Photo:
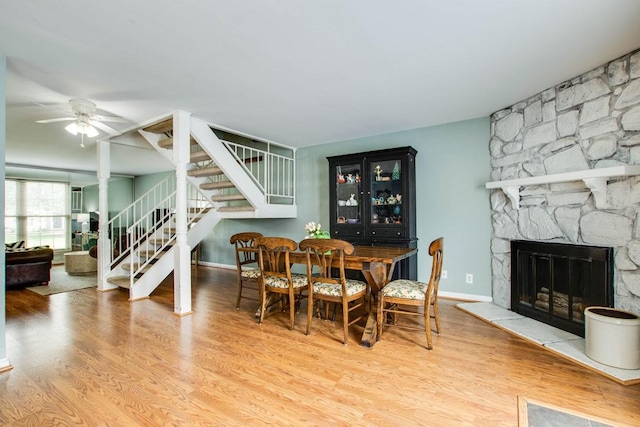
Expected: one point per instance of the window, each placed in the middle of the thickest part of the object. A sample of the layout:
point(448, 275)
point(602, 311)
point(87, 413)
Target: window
point(38, 213)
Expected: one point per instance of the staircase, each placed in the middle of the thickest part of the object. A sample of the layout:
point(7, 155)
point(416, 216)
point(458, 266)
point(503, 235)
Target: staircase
point(229, 175)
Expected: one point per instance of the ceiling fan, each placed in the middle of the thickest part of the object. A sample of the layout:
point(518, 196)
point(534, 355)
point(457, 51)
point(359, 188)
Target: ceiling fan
point(84, 120)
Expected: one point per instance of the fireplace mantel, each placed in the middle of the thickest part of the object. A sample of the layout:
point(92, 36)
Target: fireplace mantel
point(595, 179)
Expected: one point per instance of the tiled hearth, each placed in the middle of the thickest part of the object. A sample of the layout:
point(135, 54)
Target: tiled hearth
point(564, 344)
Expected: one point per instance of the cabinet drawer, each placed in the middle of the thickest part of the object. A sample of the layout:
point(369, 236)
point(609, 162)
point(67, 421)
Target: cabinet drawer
point(387, 232)
point(347, 232)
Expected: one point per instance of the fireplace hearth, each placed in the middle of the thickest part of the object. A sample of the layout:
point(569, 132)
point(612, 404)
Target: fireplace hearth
point(555, 282)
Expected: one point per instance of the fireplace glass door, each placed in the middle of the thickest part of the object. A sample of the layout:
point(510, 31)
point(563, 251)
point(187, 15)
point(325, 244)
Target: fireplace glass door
point(554, 283)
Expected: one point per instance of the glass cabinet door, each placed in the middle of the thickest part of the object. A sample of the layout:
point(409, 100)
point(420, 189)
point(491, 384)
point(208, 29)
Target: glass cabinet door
point(386, 192)
point(348, 194)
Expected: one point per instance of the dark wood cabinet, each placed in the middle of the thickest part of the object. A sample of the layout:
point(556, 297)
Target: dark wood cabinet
point(373, 201)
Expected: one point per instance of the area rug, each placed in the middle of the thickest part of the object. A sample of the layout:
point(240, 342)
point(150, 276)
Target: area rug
point(532, 413)
point(562, 343)
point(63, 282)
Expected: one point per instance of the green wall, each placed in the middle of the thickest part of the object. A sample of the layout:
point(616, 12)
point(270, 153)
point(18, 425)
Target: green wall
point(452, 167)
point(144, 183)
point(120, 194)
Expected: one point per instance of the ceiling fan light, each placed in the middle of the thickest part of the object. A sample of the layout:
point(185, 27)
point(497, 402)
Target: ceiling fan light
point(72, 128)
point(90, 131)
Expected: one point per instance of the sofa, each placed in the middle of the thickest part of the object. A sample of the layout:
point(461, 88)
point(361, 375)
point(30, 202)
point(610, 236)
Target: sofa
point(30, 266)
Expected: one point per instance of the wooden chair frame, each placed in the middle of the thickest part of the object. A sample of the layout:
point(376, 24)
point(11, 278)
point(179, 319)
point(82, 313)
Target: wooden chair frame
point(395, 305)
point(246, 255)
point(273, 259)
point(322, 255)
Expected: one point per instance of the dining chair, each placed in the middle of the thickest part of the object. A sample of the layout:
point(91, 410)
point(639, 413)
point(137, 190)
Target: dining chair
point(246, 256)
point(328, 283)
point(398, 295)
point(276, 279)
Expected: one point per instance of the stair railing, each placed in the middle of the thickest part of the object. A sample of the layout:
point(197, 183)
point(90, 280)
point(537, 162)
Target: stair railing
point(155, 231)
point(272, 172)
point(117, 227)
point(147, 236)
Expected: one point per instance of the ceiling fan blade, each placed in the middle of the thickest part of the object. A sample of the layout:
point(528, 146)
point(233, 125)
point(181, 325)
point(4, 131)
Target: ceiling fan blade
point(59, 119)
point(116, 119)
point(55, 107)
point(111, 131)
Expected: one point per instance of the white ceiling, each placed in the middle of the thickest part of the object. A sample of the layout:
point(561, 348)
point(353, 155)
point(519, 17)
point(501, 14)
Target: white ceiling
point(296, 72)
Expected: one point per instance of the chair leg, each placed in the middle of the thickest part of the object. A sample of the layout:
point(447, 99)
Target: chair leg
point(380, 315)
point(292, 309)
point(436, 315)
point(239, 293)
point(427, 324)
point(263, 305)
point(345, 320)
point(309, 312)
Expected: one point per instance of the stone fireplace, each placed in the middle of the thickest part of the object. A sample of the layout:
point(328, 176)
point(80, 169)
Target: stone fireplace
point(577, 128)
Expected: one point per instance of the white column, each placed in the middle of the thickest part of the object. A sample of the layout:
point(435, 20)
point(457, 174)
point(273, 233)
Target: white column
point(182, 272)
point(5, 365)
point(104, 243)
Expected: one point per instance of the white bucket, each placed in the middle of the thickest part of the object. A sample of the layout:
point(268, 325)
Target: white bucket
point(612, 337)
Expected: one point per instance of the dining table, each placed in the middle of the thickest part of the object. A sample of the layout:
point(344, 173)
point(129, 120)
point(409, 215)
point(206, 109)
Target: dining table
point(377, 264)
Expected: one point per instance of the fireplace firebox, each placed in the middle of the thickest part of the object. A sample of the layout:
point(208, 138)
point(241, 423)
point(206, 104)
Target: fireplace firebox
point(555, 282)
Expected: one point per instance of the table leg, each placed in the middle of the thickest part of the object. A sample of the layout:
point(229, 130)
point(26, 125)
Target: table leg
point(377, 275)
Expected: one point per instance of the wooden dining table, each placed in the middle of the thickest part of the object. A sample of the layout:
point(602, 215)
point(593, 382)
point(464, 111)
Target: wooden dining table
point(377, 264)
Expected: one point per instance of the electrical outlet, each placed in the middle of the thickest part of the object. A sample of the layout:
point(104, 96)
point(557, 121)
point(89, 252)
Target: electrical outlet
point(469, 278)
point(443, 275)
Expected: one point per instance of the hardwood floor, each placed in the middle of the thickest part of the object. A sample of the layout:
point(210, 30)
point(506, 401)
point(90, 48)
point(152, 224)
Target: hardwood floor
point(87, 358)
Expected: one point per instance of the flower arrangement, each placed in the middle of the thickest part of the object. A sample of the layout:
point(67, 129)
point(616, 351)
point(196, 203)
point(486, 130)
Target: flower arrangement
point(315, 231)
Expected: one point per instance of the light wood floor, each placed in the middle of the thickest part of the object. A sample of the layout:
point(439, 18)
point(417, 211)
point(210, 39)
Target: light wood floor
point(86, 358)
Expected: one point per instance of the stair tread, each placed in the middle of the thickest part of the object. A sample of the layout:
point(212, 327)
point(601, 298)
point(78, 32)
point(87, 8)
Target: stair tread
point(209, 171)
point(236, 208)
point(199, 156)
point(121, 281)
point(127, 267)
point(168, 143)
point(159, 242)
point(161, 127)
point(146, 254)
point(217, 185)
point(227, 197)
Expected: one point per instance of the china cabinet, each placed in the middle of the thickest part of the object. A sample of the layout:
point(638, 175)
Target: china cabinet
point(373, 202)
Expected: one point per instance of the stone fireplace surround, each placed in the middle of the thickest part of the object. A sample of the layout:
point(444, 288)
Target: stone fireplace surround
point(589, 122)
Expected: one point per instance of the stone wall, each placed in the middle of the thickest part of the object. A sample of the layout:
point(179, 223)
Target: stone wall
point(591, 121)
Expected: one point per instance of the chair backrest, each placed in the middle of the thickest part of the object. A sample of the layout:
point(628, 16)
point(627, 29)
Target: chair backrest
point(436, 250)
point(246, 250)
point(273, 256)
point(326, 257)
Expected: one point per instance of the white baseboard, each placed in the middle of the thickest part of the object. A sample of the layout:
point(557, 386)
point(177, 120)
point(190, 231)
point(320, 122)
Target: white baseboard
point(215, 264)
point(5, 365)
point(464, 297)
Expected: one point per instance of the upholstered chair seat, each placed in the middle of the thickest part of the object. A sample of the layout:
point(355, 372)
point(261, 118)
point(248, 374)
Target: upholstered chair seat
point(331, 289)
point(408, 289)
point(250, 274)
point(298, 280)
